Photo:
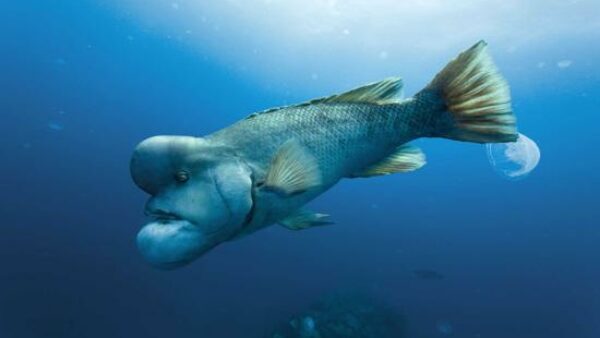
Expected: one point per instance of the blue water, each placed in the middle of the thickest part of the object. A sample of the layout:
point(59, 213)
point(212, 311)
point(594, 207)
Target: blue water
point(82, 82)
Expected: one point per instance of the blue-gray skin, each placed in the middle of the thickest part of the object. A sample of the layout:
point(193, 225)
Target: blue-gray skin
point(263, 169)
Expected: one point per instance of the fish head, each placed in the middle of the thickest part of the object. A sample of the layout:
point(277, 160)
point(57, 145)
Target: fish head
point(200, 196)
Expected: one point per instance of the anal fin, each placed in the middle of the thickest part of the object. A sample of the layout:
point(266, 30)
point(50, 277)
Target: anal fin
point(293, 170)
point(304, 219)
point(405, 158)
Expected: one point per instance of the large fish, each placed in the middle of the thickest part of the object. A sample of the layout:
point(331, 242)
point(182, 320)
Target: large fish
point(262, 170)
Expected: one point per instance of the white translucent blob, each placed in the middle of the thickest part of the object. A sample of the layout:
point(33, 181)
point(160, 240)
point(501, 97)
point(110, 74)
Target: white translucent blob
point(564, 64)
point(55, 125)
point(514, 160)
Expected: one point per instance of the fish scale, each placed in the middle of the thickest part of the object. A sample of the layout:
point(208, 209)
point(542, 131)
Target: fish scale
point(343, 137)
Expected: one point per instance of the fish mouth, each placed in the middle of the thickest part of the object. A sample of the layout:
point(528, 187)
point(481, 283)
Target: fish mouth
point(169, 242)
point(163, 216)
point(166, 217)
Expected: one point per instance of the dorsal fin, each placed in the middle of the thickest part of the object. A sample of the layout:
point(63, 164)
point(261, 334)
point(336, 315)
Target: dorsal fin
point(383, 92)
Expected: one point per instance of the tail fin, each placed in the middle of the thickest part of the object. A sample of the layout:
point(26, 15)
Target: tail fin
point(477, 98)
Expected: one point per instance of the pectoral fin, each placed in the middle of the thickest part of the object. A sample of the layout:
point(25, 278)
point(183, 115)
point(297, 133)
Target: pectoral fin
point(293, 170)
point(405, 158)
point(304, 219)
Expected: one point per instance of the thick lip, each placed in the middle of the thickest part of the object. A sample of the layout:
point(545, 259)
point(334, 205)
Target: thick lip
point(163, 216)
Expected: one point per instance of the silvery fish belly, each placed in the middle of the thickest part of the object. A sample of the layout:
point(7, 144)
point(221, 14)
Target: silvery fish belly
point(263, 169)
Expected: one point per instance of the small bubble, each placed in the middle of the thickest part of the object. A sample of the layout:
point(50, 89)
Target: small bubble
point(383, 55)
point(564, 64)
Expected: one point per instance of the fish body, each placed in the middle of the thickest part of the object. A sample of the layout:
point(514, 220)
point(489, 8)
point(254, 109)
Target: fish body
point(264, 168)
point(343, 137)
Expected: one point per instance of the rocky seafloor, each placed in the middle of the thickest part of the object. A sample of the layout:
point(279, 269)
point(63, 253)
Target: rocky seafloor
point(347, 315)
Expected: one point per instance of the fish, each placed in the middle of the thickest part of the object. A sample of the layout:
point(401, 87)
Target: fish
point(427, 274)
point(263, 169)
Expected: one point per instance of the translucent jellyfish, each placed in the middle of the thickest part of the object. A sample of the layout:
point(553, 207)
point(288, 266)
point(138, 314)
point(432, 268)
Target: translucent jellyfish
point(514, 160)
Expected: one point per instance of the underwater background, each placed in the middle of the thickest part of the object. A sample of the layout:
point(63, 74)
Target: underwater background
point(457, 249)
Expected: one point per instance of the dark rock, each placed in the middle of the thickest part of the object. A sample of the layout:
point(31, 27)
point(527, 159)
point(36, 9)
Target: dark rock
point(344, 315)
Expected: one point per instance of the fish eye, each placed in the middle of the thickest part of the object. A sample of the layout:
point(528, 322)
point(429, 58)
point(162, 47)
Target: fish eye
point(182, 176)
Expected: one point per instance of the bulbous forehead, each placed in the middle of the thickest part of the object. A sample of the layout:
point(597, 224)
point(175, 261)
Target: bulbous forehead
point(156, 159)
point(168, 147)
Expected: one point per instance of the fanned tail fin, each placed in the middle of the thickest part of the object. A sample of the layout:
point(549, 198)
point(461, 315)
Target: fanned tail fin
point(476, 97)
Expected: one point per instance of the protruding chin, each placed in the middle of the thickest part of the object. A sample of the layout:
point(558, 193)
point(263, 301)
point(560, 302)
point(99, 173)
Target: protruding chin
point(171, 244)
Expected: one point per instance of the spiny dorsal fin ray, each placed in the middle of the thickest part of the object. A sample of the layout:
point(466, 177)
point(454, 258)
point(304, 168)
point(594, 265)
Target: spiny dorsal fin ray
point(383, 92)
point(405, 158)
point(293, 170)
point(304, 219)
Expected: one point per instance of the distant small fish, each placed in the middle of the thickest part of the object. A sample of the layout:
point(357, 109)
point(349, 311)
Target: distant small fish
point(428, 274)
point(56, 126)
